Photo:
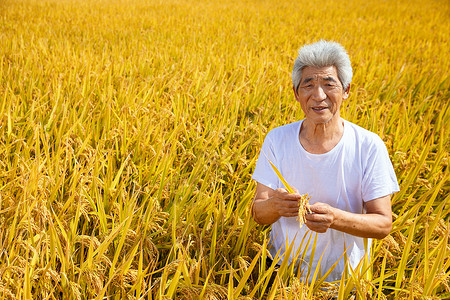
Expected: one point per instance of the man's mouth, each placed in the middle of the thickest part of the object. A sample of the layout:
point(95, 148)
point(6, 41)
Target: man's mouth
point(319, 108)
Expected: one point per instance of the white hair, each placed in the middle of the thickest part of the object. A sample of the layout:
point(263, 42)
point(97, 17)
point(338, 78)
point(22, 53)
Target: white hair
point(323, 54)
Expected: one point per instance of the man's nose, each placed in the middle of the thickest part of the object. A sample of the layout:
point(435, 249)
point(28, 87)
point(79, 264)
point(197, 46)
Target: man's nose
point(318, 94)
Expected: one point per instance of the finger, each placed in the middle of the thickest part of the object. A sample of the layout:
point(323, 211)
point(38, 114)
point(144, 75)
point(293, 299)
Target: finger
point(289, 196)
point(313, 217)
point(288, 207)
point(281, 190)
point(283, 193)
point(293, 205)
point(317, 229)
point(319, 208)
point(293, 213)
point(317, 218)
point(284, 203)
point(290, 214)
point(290, 210)
point(316, 226)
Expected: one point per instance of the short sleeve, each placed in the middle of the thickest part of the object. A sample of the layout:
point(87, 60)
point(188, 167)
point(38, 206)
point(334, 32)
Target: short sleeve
point(379, 178)
point(264, 173)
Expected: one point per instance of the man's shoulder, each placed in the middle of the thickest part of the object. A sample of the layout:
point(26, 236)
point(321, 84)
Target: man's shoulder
point(363, 135)
point(291, 128)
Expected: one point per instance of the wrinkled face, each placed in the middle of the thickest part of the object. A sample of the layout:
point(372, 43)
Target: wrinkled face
point(320, 94)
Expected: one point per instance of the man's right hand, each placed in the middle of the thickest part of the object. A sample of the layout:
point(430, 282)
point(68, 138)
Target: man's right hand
point(269, 205)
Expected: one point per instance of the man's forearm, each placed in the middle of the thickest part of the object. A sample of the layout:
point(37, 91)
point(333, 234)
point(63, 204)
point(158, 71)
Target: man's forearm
point(362, 225)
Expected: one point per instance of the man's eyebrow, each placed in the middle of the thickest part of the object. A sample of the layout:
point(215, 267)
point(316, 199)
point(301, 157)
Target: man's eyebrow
point(306, 80)
point(329, 78)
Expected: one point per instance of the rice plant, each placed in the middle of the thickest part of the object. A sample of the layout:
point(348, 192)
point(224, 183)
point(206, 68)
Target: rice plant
point(130, 130)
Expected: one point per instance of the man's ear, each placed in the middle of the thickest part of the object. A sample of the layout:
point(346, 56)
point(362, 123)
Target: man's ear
point(295, 93)
point(346, 93)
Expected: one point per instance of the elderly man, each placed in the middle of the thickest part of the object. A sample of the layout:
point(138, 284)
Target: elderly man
point(344, 168)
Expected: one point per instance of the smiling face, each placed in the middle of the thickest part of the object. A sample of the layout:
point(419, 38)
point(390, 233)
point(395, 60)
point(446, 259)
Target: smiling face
point(320, 94)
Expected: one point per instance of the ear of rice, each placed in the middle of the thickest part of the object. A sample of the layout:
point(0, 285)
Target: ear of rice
point(303, 204)
point(286, 185)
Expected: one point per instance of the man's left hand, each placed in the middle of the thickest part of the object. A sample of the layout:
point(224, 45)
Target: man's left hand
point(322, 217)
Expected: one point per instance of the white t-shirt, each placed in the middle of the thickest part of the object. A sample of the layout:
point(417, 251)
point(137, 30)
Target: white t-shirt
point(356, 170)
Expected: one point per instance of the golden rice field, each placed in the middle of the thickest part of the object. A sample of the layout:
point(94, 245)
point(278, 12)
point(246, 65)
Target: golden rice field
point(129, 131)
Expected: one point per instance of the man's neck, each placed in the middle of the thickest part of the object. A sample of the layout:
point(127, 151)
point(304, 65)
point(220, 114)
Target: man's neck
point(321, 138)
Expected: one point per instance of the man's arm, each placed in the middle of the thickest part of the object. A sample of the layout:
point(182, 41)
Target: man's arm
point(375, 223)
point(269, 205)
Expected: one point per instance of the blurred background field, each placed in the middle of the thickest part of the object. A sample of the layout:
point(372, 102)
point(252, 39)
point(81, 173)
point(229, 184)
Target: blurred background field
point(129, 131)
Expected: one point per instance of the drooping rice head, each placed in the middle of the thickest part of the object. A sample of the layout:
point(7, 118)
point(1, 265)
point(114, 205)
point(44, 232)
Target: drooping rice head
point(303, 209)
